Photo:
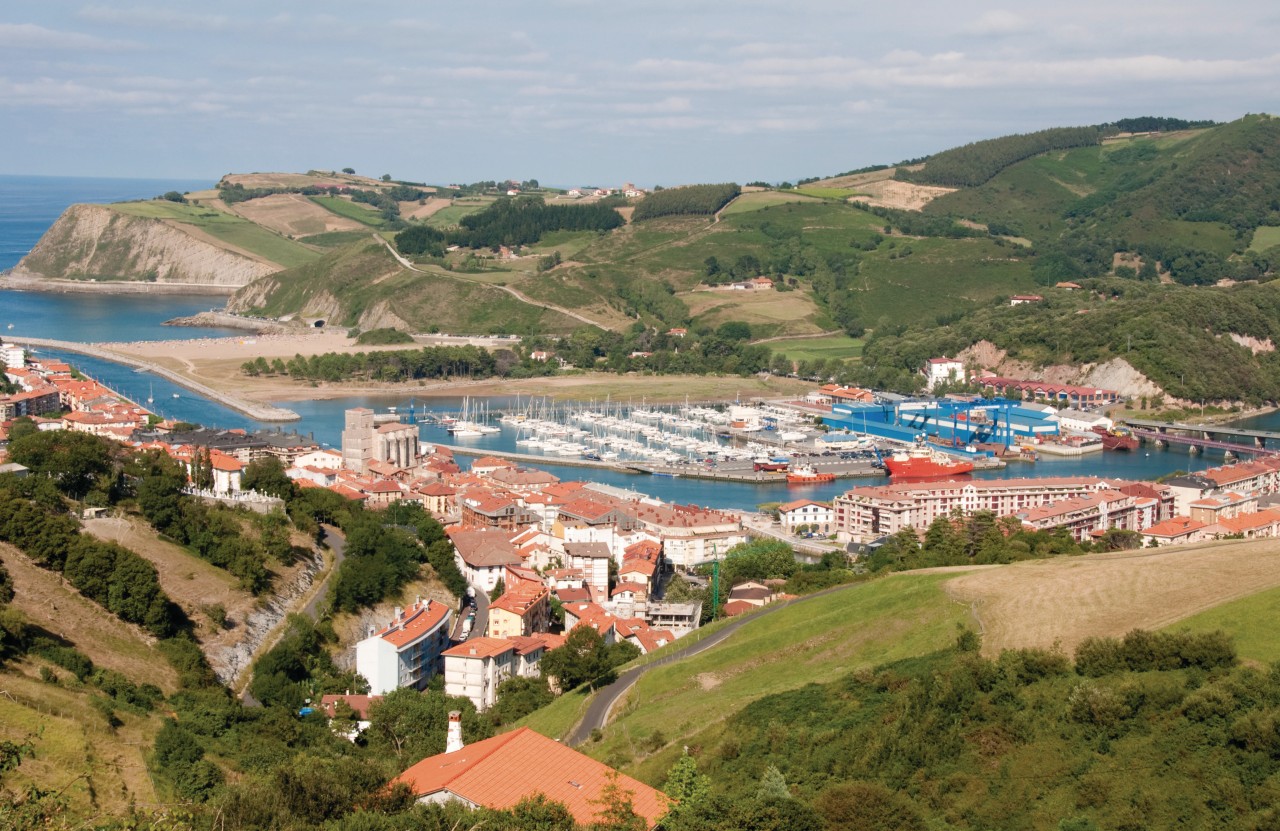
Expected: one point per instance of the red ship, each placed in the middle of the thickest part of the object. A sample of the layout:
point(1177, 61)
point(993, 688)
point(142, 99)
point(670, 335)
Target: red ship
point(1117, 439)
point(923, 462)
point(806, 475)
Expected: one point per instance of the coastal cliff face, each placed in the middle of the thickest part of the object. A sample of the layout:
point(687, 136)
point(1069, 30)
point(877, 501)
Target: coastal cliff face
point(94, 242)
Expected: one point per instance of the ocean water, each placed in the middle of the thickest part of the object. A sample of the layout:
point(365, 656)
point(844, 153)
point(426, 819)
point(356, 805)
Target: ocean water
point(29, 205)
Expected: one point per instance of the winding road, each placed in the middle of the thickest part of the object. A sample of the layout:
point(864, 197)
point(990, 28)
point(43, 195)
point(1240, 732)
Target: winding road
point(602, 704)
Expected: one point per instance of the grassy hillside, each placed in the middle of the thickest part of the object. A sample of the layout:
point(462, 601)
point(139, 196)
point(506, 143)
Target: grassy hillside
point(233, 230)
point(812, 641)
point(362, 285)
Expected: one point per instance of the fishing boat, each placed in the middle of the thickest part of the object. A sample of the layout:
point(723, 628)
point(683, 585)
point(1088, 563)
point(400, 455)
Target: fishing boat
point(807, 475)
point(922, 461)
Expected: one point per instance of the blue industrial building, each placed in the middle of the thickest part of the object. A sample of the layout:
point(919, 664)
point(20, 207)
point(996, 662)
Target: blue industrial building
point(955, 423)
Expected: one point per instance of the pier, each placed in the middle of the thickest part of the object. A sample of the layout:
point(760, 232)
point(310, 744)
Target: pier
point(258, 412)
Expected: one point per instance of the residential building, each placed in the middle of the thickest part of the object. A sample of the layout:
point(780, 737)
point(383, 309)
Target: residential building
point(482, 555)
point(407, 652)
point(944, 370)
point(476, 667)
point(523, 609)
point(818, 516)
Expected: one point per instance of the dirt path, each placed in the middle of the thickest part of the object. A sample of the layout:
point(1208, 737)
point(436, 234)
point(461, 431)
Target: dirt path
point(1068, 599)
point(800, 337)
point(523, 298)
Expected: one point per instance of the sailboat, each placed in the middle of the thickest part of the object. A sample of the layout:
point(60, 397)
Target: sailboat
point(151, 394)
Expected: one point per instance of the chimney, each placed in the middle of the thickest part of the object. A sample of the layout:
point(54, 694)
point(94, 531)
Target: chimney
point(454, 741)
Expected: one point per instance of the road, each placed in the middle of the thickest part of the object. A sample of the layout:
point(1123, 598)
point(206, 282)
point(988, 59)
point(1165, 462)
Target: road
point(335, 542)
point(481, 625)
point(602, 704)
point(523, 298)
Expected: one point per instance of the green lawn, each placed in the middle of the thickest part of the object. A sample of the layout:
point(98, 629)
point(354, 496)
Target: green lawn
point(231, 229)
point(351, 210)
point(812, 641)
point(1267, 236)
point(1250, 620)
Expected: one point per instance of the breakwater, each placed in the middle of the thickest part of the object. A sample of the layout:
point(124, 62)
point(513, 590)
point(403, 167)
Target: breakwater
point(254, 410)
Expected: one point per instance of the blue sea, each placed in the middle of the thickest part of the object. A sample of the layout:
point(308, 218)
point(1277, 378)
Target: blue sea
point(29, 205)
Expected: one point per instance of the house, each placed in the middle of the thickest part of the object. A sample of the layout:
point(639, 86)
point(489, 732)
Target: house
point(943, 370)
point(525, 608)
point(592, 559)
point(360, 705)
point(227, 471)
point(407, 652)
point(1019, 299)
point(482, 555)
point(1175, 531)
point(475, 669)
point(501, 771)
point(677, 332)
point(1067, 286)
point(818, 516)
point(752, 593)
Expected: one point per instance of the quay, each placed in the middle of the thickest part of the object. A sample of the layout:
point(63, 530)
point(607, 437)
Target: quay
point(258, 412)
point(533, 458)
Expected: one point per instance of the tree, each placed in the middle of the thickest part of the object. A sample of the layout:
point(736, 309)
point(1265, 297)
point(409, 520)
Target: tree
point(410, 726)
point(386, 177)
point(866, 806)
point(74, 460)
point(499, 588)
point(348, 170)
point(689, 790)
point(582, 659)
point(267, 476)
point(614, 809)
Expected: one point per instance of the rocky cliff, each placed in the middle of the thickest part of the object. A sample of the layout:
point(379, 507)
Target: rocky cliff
point(94, 242)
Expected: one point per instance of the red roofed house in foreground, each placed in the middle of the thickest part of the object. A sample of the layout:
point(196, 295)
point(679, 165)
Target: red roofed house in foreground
point(499, 772)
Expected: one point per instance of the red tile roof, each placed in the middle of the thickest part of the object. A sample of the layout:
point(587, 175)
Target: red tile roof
point(418, 620)
point(501, 771)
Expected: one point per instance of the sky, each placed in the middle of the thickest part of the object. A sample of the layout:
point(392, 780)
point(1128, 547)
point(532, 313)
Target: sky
point(580, 92)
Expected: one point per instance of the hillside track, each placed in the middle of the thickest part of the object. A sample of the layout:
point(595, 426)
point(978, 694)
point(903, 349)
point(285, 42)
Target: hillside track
point(523, 298)
point(1064, 600)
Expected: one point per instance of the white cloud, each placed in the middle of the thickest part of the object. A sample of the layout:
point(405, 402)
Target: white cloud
point(671, 104)
point(155, 17)
point(31, 36)
point(998, 22)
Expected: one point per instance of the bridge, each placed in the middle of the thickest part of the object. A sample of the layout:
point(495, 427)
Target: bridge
point(259, 412)
point(1216, 436)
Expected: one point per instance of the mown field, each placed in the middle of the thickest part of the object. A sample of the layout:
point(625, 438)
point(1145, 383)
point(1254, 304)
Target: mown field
point(361, 213)
point(839, 347)
point(231, 229)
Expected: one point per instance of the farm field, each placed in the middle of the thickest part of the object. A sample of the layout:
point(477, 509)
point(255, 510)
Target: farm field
point(452, 215)
point(825, 193)
point(756, 200)
point(1065, 600)
point(769, 312)
point(228, 228)
point(839, 347)
point(294, 215)
point(351, 210)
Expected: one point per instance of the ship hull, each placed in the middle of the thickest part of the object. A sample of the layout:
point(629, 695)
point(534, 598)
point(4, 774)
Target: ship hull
point(926, 468)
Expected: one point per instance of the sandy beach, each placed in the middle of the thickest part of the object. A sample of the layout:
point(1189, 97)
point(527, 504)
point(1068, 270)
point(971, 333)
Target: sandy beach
point(217, 361)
